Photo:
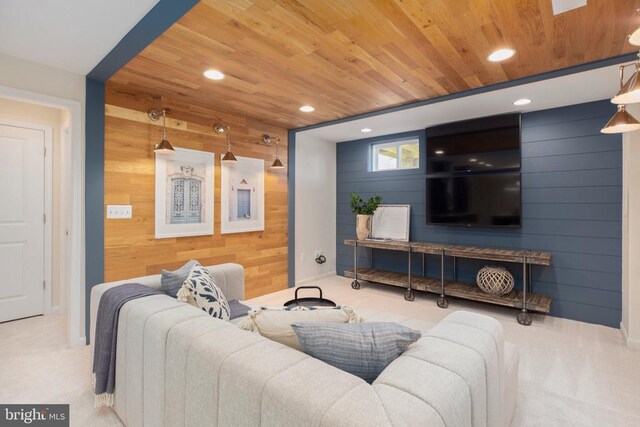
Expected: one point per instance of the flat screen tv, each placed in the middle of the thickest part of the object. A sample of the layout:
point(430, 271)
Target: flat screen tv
point(477, 145)
point(475, 200)
point(473, 173)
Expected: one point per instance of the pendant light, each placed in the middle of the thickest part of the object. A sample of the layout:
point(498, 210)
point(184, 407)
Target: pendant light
point(164, 147)
point(629, 92)
point(219, 129)
point(266, 140)
point(621, 122)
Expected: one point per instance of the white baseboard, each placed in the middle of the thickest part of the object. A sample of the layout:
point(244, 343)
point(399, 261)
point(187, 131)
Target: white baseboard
point(314, 278)
point(631, 343)
point(79, 342)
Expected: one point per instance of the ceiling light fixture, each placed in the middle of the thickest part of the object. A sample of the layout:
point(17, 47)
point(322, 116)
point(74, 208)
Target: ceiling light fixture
point(214, 74)
point(164, 147)
point(629, 93)
point(522, 101)
point(220, 129)
point(266, 140)
point(439, 152)
point(365, 130)
point(634, 38)
point(501, 55)
point(307, 109)
point(621, 122)
point(473, 160)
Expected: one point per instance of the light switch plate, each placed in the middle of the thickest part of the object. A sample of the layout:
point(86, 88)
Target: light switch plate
point(118, 211)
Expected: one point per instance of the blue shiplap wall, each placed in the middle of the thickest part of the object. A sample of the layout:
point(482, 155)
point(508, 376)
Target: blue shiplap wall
point(572, 207)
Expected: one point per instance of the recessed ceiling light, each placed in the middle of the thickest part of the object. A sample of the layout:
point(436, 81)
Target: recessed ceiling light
point(488, 165)
point(214, 74)
point(365, 130)
point(439, 152)
point(481, 163)
point(473, 160)
point(522, 101)
point(501, 55)
point(307, 109)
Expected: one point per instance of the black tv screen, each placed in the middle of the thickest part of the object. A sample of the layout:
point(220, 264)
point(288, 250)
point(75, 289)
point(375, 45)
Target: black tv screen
point(491, 199)
point(490, 143)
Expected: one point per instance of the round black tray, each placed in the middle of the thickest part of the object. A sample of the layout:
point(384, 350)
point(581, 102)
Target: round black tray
point(309, 301)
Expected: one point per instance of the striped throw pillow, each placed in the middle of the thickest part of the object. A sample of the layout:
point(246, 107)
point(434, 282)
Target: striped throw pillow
point(361, 349)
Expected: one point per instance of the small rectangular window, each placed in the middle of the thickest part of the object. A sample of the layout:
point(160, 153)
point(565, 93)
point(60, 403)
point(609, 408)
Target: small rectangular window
point(404, 154)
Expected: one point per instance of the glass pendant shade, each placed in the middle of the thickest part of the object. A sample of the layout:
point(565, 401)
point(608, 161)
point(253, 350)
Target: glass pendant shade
point(629, 93)
point(621, 122)
point(164, 148)
point(277, 164)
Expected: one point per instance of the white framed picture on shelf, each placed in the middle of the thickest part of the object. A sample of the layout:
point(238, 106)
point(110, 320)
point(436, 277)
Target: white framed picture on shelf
point(184, 194)
point(242, 196)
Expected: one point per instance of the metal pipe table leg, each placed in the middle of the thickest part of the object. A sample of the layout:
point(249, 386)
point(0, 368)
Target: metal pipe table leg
point(442, 301)
point(355, 284)
point(455, 272)
point(409, 295)
point(524, 318)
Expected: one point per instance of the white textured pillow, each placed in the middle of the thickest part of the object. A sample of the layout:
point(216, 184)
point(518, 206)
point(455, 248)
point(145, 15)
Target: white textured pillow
point(206, 294)
point(275, 323)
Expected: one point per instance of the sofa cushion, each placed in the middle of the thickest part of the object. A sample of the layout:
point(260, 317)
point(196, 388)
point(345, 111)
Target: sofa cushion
point(171, 281)
point(275, 323)
point(207, 294)
point(361, 349)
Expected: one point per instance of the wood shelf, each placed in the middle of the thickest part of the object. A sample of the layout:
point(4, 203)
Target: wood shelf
point(489, 254)
point(535, 302)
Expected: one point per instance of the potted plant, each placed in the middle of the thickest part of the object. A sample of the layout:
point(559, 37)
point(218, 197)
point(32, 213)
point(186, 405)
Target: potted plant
point(363, 211)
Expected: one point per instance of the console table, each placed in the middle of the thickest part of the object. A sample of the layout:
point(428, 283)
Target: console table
point(524, 300)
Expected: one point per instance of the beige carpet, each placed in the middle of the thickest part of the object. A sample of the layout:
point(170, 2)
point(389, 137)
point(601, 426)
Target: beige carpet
point(571, 373)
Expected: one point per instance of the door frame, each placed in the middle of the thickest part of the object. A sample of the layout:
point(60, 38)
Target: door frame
point(48, 204)
point(72, 220)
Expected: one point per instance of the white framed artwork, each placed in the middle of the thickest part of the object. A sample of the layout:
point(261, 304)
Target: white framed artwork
point(184, 194)
point(391, 222)
point(242, 196)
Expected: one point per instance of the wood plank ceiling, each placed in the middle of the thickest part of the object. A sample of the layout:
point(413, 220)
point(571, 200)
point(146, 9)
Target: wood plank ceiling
point(347, 57)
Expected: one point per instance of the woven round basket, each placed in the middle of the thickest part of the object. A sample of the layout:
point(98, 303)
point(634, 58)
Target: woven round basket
point(495, 280)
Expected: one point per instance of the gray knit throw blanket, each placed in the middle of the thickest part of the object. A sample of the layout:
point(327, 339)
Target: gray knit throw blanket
point(104, 342)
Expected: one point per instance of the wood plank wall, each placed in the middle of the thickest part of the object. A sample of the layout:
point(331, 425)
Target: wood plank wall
point(130, 247)
point(571, 207)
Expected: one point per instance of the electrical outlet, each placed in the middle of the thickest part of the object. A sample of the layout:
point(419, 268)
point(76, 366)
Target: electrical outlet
point(119, 211)
point(301, 256)
point(316, 254)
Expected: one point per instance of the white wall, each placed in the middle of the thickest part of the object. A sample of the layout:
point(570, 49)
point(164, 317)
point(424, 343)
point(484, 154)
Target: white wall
point(36, 114)
point(20, 74)
point(315, 216)
point(39, 84)
point(630, 324)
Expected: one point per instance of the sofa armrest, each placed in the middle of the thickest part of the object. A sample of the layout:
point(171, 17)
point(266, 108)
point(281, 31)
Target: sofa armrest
point(230, 279)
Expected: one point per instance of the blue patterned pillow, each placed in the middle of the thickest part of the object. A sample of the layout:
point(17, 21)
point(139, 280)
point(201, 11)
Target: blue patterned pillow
point(171, 281)
point(207, 294)
point(361, 349)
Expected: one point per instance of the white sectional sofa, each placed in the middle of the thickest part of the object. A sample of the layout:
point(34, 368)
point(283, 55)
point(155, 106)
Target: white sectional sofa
point(177, 366)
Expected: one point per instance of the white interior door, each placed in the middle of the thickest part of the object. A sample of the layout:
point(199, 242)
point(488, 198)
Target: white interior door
point(21, 222)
